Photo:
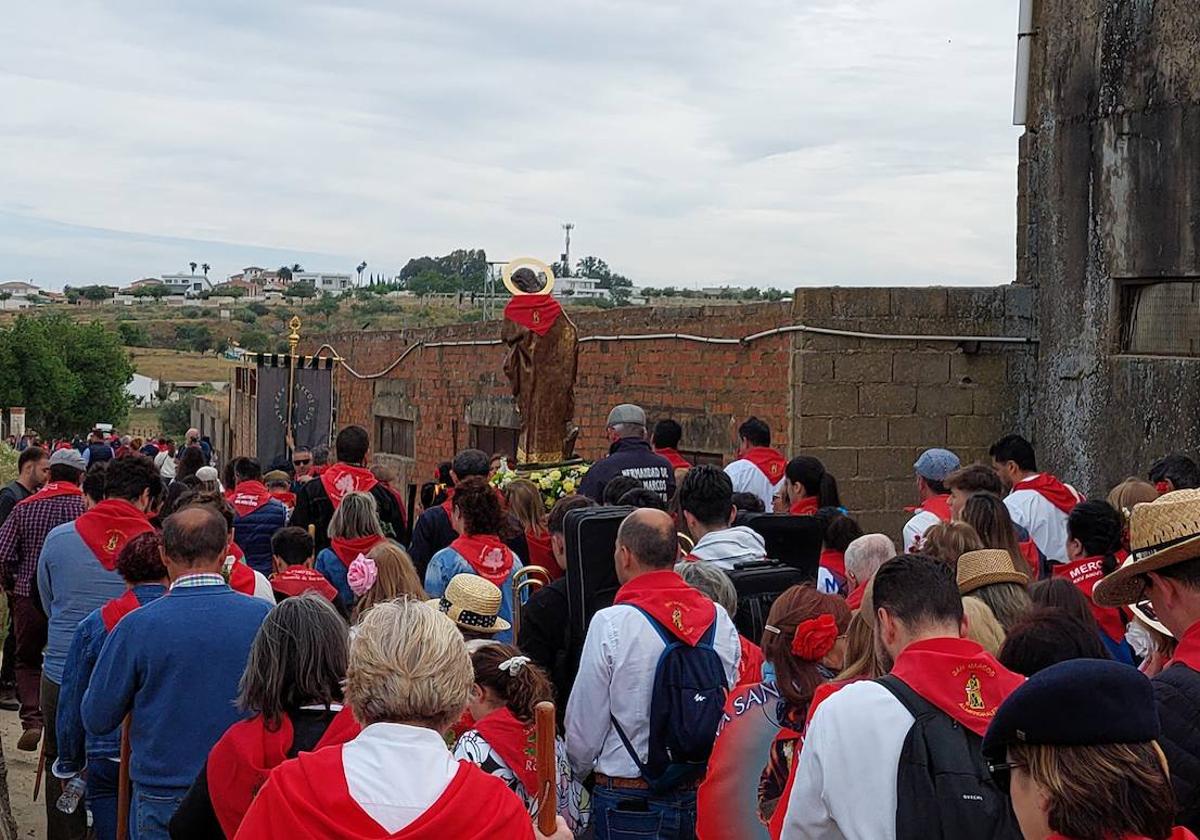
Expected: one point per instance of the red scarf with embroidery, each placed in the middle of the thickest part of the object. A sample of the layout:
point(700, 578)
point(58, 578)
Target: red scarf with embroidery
point(1187, 652)
point(515, 742)
point(959, 677)
point(677, 461)
point(248, 497)
point(533, 312)
point(241, 760)
point(347, 549)
point(296, 580)
point(683, 611)
point(769, 462)
point(108, 526)
point(490, 558)
point(1085, 574)
point(939, 506)
point(286, 496)
point(341, 479)
point(1052, 490)
point(118, 608)
point(53, 490)
point(808, 506)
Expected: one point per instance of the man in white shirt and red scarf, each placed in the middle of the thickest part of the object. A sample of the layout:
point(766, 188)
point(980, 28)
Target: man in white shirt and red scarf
point(617, 675)
point(850, 768)
point(933, 498)
point(318, 499)
point(1037, 501)
point(1163, 576)
point(758, 469)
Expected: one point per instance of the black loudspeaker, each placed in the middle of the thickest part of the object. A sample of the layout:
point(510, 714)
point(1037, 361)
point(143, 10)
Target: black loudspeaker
point(758, 585)
point(795, 541)
point(591, 537)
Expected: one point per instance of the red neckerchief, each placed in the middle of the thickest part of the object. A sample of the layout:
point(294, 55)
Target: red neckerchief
point(533, 312)
point(448, 505)
point(541, 553)
point(750, 665)
point(1052, 490)
point(308, 797)
point(490, 558)
point(939, 506)
point(108, 526)
point(959, 677)
point(53, 490)
point(683, 611)
point(855, 598)
point(241, 760)
point(248, 497)
point(769, 462)
point(1187, 652)
point(347, 549)
point(808, 506)
point(515, 742)
point(1029, 551)
point(341, 479)
point(241, 577)
point(118, 608)
point(296, 580)
point(834, 561)
point(286, 496)
point(677, 461)
point(1085, 573)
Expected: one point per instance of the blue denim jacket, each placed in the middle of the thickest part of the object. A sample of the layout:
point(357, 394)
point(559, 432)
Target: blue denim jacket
point(447, 563)
point(334, 570)
point(75, 746)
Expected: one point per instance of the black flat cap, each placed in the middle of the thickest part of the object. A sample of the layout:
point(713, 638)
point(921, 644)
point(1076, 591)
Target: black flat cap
point(1081, 702)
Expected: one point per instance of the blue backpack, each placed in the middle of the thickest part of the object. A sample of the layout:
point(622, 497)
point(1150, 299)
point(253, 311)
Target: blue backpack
point(685, 710)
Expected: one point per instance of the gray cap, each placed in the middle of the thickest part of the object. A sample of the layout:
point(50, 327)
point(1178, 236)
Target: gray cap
point(70, 457)
point(627, 413)
point(936, 464)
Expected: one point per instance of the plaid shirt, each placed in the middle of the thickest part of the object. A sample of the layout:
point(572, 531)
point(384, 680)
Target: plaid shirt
point(25, 530)
point(198, 579)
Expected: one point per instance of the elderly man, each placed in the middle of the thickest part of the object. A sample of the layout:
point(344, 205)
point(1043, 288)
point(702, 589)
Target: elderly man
point(864, 556)
point(175, 665)
point(629, 454)
point(610, 726)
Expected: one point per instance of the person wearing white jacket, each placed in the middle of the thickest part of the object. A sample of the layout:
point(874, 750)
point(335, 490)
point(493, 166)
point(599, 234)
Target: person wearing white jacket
point(706, 499)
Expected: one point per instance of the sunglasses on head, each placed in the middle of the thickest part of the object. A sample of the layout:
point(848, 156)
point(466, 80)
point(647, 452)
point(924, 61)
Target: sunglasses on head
point(1001, 773)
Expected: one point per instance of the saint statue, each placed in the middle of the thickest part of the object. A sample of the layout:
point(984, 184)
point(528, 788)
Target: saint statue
point(543, 355)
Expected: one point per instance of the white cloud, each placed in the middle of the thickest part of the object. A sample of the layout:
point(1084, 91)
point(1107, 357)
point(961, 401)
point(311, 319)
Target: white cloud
point(759, 142)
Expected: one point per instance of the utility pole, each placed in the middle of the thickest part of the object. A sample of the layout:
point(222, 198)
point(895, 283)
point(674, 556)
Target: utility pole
point(566, 257)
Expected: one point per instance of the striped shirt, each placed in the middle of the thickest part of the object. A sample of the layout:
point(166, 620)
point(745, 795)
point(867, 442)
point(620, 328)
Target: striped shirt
point(24, 532)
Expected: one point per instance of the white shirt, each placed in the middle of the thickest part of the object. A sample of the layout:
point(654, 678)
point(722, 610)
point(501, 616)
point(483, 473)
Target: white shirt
point(616, 677)
point(916, 527)
point(748, 478)
point(846, 781)
point(396, 772)
point(1046, 524)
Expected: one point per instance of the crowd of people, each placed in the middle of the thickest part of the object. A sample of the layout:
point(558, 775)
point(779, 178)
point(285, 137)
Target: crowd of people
point(289, 651)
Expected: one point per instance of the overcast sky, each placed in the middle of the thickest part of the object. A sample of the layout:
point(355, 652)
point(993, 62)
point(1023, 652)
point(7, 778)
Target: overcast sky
point(755, 142)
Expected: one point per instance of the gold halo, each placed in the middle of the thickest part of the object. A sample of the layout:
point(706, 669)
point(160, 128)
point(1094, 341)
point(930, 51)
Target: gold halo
point(521, 262)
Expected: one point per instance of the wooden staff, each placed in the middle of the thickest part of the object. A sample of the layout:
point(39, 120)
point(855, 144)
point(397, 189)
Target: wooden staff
point(123, 792)
point(547, 768)
point(41, 769)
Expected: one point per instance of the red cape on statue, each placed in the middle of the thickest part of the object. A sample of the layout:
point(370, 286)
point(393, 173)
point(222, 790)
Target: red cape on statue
point(308, 798)
point(533, 312)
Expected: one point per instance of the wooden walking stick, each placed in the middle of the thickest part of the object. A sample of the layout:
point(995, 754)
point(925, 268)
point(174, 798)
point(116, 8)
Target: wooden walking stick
point(123, 792)
point(41, 769)
point(547, 768)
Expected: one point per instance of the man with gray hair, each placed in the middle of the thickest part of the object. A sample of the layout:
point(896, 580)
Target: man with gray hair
point(864, 556)
point(629, 454)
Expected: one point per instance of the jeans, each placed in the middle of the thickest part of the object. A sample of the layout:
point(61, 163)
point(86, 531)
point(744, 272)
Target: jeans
point(620, 814)
point(29, 626)
point(102, 776)
point(153, 808)
point(59, 826)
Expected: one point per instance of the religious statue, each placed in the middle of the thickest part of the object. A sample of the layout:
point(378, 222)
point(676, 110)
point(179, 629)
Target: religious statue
point(543, 355)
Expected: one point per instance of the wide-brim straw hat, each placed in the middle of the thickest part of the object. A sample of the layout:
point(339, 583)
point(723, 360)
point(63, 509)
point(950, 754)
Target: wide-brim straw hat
point(472, 603)
point(1162, 533)
point(985, 567)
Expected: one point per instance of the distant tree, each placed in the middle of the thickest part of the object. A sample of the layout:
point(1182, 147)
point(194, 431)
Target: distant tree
point(258, 308)
point(362, 266)
point(133, 334)
point(255, 340)
point(300, 290)
point(326, 305)
point(193, 267)
point(297, 268)
point(228, 290)
point(205, 267)
point(175, 417)
point(195, 337)
point(285, 274)
point(95, 294)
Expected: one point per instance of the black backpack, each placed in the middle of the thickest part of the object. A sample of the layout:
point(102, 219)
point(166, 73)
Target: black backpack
point(685, 710)
point(943, 788)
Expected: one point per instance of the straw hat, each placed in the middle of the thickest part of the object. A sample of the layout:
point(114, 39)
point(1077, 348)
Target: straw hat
point(473, 603)
point(986, 566)
point(1161, 533)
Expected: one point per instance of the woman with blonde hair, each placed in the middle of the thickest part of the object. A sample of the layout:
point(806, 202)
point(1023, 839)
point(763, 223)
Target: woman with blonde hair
point(354, 530)
point(409, 679)
point(947, 541)
point(526, 504)
point(384, 573)
point(982, 626)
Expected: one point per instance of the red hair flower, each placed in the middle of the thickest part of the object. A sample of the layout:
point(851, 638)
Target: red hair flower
point(814, 638)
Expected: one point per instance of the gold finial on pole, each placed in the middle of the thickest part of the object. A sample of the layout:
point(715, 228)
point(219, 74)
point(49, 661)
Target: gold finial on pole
point(293, 336)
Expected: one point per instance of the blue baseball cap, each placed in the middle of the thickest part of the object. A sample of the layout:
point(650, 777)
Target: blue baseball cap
point(936, 464)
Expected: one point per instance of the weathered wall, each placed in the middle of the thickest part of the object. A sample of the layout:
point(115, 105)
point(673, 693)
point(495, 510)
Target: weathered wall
point(1110, 193)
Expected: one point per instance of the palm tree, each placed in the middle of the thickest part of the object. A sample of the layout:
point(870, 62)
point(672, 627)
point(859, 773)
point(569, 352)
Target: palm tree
point(297, 268)
point(362, 266)
point(285, 274)
point(193, 265)
point(205, 269)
